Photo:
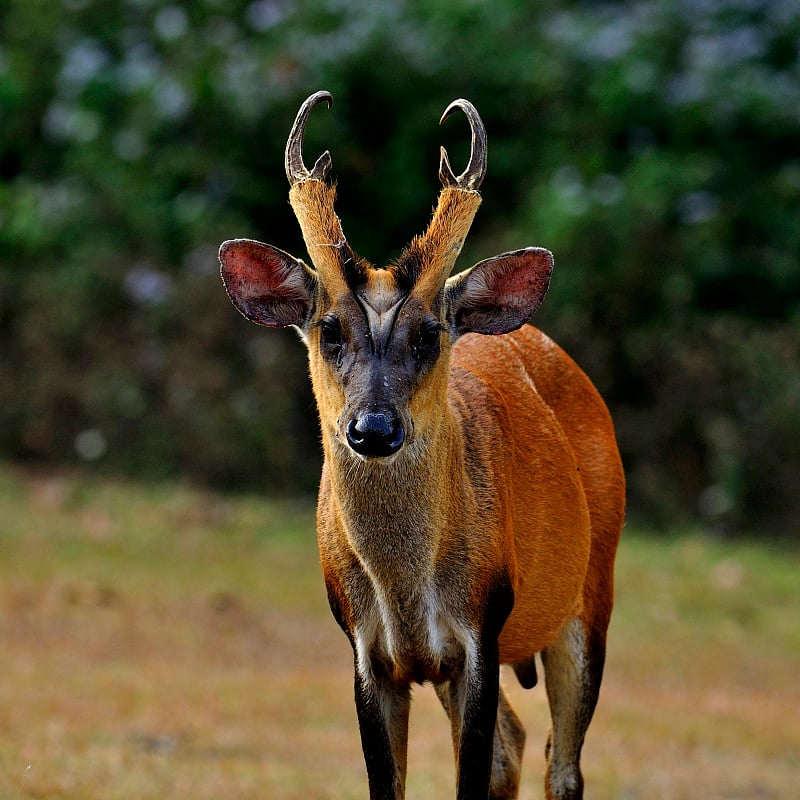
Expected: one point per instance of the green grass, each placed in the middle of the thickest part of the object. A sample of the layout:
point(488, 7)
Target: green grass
point(141, 537)
point(167, 642)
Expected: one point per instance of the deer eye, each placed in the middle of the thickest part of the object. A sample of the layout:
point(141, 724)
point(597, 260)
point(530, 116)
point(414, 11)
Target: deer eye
point(330, 334)
point(426, 343)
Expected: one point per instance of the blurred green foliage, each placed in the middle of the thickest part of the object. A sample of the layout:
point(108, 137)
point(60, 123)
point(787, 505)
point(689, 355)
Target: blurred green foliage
point(653, 146)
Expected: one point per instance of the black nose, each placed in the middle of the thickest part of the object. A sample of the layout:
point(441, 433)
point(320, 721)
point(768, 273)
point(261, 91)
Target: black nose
point(377, 434)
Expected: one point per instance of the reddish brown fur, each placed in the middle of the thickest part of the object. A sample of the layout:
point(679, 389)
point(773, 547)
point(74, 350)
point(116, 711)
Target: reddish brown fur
point(588, 477)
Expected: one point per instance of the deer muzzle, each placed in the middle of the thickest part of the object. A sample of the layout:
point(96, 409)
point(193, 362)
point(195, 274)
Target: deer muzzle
point(375, 434)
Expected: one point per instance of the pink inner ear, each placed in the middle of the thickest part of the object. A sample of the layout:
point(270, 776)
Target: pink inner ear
point(525, 278)
point(268, 286)
point(252, 269)
point(500, 294)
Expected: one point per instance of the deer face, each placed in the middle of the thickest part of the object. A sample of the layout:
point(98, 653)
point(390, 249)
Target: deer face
point(374, 350)
point(379, 339)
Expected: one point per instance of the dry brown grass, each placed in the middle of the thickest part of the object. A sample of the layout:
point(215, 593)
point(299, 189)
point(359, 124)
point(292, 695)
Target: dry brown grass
point(170, 643)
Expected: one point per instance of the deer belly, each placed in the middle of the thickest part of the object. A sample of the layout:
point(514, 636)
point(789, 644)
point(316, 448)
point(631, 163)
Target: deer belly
point(552, 563)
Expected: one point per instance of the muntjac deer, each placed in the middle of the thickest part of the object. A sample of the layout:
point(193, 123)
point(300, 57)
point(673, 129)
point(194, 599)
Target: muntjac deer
point(472, 494)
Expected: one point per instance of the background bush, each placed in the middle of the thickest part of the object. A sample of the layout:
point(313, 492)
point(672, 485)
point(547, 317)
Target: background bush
point(652, 146)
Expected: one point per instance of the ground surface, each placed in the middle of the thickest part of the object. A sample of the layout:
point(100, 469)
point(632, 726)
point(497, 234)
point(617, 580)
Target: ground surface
point(166, 643)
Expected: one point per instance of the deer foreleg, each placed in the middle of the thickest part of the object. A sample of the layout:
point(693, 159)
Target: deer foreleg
point(509, 743)
point(470, 701)
point(382, 709)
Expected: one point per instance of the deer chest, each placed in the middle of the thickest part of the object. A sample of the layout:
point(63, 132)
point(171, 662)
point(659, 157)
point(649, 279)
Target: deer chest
point(413, 638)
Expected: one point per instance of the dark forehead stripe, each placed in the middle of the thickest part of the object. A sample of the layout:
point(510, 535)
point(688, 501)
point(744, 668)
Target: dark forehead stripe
point(407, 269)
point(380, 310)
point(381, 326)
point(353, 268)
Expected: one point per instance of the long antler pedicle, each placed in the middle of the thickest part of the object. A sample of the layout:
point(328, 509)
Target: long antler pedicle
point(428, 260)
point(312, 200)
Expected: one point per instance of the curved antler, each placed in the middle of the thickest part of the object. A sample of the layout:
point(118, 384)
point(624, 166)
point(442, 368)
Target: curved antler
point(472, 177)
point(312, 200)
point(296, 170)
point(427, 261)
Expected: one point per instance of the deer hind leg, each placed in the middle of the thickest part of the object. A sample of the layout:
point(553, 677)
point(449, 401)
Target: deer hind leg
point(509, 742)
point(573, 667)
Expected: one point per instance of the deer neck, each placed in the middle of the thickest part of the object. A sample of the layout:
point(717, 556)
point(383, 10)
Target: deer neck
point(398, 509)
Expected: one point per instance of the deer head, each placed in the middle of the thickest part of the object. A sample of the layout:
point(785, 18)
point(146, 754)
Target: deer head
point(379, 338)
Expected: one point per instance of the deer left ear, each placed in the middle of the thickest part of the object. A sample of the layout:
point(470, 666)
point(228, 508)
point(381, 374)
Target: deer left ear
point(267, 285)
point(500, 294)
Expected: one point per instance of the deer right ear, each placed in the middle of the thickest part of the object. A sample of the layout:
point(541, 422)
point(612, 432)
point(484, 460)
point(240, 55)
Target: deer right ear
point(267, 285)
point(498, 295)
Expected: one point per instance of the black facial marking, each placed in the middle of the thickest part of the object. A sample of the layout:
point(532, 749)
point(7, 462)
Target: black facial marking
point(407, 270)
point(380, 325)
point(381, 345)
point(354, 270)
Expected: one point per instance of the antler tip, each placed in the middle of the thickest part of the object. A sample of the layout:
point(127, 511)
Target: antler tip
point(319, 97)
point(453, 107)
point(446, 174)
point(296, 170)
point(473, 175)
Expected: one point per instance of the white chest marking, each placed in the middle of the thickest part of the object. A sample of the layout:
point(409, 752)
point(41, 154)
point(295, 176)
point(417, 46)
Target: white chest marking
point(428, 633)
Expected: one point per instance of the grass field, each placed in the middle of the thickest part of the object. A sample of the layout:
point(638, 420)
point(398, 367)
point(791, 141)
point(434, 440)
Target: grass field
point(168, 643)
